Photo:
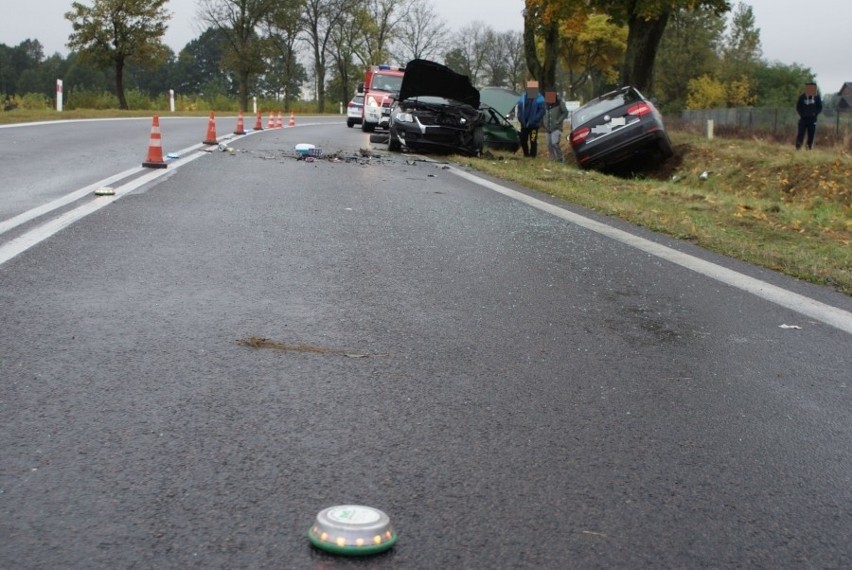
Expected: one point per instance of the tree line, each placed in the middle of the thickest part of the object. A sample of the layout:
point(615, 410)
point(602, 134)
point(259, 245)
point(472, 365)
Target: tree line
point(687, 53)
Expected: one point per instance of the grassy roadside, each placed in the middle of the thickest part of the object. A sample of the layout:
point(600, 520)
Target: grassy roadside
point(761, 202)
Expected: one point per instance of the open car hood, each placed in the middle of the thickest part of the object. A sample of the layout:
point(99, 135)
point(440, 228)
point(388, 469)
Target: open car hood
point(427, 78)
point(500, 99)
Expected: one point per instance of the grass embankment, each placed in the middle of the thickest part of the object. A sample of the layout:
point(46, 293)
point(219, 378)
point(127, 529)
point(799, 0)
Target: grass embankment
point(761, 202)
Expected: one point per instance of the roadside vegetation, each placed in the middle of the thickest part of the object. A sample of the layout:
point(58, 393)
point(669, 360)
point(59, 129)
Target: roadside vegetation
point(759, 201)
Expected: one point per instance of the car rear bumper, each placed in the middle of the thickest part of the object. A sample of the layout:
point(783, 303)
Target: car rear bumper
point(602, 152)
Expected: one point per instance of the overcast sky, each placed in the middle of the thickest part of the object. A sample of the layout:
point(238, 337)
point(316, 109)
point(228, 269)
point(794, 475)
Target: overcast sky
point(814, 33)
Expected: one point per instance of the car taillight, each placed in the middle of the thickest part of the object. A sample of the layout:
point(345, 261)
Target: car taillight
point(580, 135)
point(640, 109)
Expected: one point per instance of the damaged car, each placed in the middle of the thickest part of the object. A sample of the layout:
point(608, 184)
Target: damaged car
point(437, 110)
point(616, 127)
point(497, 103)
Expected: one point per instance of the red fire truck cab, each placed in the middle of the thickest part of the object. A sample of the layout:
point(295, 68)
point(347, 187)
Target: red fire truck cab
point(381, 84)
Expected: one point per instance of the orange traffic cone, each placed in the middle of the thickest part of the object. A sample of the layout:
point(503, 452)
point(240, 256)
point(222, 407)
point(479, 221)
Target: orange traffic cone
point(271, 123)
point(155, 147)
point(292, 122)
point(240, 127)
point(258, 124)
point(280, 123)
point(211, 130)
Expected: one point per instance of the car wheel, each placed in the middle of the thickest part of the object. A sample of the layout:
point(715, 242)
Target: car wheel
point(379, 138)
point(393, 142)
point(666, 148)
point(349, 123)
point(478, 141)
point(368, 127)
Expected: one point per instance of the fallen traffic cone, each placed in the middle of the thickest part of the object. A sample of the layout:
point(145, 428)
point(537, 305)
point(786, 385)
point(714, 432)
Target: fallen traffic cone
point(155, 147)
point(292, 122)
point(271, 123)
point(211, 130)
point(258, 124)
point(240, 127)
point(280, 123)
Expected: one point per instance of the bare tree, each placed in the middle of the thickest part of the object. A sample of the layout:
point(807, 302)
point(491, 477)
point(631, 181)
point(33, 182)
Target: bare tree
point(283, 26)
point(379, 24)
point(495, 58)
point(468, 57)
point(513, 48)
point(346, 44)
point(320, 19)
point(422, 35)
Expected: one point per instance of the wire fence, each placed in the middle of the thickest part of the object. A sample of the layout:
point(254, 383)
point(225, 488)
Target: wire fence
point(769, 120)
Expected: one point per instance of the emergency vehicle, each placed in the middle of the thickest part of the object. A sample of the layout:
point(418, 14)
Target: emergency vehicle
point(381, 85)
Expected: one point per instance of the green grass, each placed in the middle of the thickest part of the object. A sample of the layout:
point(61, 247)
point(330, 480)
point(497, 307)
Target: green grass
point(763, 203)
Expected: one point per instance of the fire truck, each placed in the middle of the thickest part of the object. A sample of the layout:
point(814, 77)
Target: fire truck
point(381, 85)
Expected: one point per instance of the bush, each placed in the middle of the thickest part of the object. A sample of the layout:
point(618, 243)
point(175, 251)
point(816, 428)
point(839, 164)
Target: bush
point(31, 101)
point(84, 99)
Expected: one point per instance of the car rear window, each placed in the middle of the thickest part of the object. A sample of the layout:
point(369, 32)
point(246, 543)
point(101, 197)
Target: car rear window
point(358, 100)
point(604, 105)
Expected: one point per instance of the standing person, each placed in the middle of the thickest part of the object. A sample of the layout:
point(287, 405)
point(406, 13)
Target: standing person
point(530, 112)
point(554, 119)
point(808, 106)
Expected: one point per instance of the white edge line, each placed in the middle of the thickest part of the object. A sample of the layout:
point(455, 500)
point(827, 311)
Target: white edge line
point(822, 312)
point(34, 213)
point(37, 235)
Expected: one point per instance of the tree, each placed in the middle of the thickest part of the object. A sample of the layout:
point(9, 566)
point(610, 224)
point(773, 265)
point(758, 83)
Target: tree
point(741, 56)
point(238, 21)
point(472, 43)
point(646, 21)
point(705, 92)
point(421, 35)
point(320, 17)
point(112, 33)
point(283, 27)
point(591, 46)
point(778, 85)
point(689, 49)
point(346, 42)
point(513, 47)
point(541, 22)
point(199, 64)
point(378, 26)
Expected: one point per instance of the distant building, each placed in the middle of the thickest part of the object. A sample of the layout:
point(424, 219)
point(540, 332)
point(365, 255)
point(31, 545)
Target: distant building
point(845, 93)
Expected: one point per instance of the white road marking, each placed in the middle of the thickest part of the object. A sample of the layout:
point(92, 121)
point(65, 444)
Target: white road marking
point(799, 303)
point(34, 213)
point(27, 240)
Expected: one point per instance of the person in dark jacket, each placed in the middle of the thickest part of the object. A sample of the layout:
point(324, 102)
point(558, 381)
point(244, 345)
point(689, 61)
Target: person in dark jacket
point(530, 112)
point(808, 106)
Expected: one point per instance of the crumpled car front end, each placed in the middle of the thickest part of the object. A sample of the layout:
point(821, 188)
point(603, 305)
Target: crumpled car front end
point(437, 110)
point(436, 124)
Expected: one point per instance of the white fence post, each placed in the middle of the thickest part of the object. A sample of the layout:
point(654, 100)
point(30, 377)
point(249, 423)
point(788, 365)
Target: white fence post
point(59, 95)
point(172, 100)
point(710, 129)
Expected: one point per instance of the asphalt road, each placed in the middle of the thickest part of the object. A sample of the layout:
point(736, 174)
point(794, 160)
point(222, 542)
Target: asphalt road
point(191, 372)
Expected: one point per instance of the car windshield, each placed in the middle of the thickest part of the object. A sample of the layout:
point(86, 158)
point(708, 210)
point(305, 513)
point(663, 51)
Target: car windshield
point(604, 105)
point(382, 82)
point(358, 100)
